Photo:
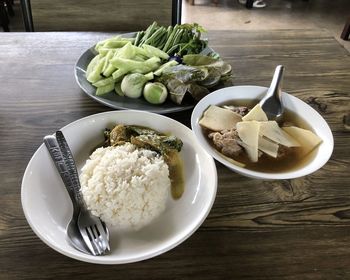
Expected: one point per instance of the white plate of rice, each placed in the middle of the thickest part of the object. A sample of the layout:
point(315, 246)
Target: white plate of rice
point(143, 223)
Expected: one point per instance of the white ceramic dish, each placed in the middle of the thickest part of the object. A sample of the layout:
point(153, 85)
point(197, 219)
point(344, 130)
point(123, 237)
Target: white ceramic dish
point(119, 102)
point(48, 208)
point(310, 116)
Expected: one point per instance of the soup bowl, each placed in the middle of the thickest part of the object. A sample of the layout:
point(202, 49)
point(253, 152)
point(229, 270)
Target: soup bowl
point(305, 113)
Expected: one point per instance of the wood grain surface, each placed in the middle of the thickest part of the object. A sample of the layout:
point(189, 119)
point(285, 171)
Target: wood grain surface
point(106, 15)
point(288, 229)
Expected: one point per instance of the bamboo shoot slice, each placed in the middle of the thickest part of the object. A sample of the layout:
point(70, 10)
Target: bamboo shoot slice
point(249, 133)
point(256, 114)
point(272, 131)
point(268, 147)
point(308, 140)
point(217, 119)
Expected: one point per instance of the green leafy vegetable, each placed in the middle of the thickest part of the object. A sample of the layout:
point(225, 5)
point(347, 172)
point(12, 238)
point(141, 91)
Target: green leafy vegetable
point(198, 60)
point(185, 73)
point(194, 79)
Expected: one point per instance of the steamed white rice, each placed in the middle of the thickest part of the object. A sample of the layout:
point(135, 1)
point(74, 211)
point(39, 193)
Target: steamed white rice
point(125, 186)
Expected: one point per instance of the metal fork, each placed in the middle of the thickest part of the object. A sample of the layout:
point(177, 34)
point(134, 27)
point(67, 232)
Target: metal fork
point(93, 231)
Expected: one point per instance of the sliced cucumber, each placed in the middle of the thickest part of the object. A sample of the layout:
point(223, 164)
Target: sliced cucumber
point(105, 89)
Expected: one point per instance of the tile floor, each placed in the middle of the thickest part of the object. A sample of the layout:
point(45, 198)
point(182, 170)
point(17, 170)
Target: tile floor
point(279, 14)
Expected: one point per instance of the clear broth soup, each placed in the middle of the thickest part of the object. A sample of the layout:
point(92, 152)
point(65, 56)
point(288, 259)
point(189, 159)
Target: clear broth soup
point(292, 161)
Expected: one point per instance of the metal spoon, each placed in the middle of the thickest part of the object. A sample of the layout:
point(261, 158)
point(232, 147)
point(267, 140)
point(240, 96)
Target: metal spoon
point(272, 103)
point(73, 233)
point(74, 237)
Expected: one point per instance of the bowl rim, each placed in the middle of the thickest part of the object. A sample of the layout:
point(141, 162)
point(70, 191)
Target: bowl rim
point(75, 254)
point(197, 112)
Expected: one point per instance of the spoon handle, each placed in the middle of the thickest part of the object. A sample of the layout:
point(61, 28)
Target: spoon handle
point(64, 161)
point(275, 87)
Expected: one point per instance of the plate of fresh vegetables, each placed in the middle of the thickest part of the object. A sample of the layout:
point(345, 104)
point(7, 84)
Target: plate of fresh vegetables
point(161, 69)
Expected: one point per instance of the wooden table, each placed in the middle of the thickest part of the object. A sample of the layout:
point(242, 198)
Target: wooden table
point(289, 229)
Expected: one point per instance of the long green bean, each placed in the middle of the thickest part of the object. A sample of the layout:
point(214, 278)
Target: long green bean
point(155, 36)
point(138, 37)
point(183, 38)
point(175, 41)
point(170, 39)
point(149, 32)
point(162, 41)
